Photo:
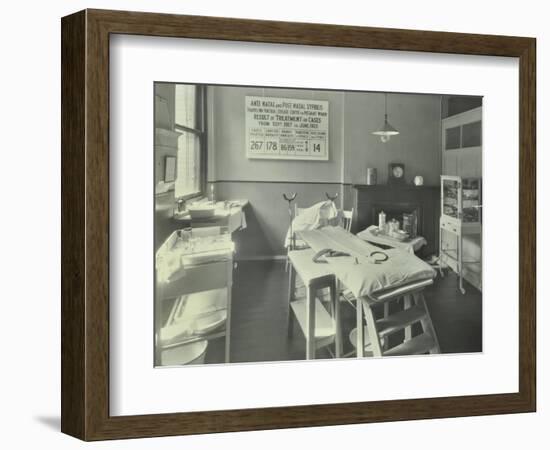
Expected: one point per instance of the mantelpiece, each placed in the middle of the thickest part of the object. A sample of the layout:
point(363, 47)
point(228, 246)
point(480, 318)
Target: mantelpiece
point(394, 200)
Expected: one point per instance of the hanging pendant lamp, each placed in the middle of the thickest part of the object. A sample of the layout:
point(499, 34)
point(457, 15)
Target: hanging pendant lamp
point(386, 130)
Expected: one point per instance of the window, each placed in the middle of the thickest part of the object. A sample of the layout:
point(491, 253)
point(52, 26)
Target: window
point(189, 121)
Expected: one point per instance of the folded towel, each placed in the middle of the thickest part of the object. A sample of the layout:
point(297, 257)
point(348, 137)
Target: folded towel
point(195, 313)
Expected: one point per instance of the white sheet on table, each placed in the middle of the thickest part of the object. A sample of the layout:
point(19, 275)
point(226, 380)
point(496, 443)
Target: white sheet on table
point(366, 278)
point(410, 246)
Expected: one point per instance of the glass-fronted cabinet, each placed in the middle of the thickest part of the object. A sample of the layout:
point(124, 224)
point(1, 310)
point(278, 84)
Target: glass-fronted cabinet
point(461, 200)
point(461, 141)
point(463, 136)
point(450, 197)
point(460, 216)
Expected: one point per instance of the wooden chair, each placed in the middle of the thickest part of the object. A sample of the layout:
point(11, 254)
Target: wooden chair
point(347, 219)
point(346, 216)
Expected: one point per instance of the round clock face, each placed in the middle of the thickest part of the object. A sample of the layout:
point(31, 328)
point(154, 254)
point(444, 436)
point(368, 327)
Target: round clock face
point(397, 171)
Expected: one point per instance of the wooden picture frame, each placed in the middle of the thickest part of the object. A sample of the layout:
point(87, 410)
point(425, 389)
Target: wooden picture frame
point(85, 224)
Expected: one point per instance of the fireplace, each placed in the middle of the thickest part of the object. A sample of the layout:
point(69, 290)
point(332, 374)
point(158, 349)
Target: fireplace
point(395, 211)
point(423, 201)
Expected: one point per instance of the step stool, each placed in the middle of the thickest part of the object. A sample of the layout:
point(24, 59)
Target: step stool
point(414, 311)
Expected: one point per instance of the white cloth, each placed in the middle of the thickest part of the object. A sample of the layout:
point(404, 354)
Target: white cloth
point(358, 272)
point(173, 255)
point(410, 246)
point(317, 216)
point(199, 312)
point(233, 218)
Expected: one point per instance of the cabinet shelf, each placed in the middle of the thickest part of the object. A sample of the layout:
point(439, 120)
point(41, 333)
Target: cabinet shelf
point(460, 216)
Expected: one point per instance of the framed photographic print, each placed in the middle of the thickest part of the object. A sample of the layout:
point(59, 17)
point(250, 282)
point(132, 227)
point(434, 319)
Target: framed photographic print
point(227, 265)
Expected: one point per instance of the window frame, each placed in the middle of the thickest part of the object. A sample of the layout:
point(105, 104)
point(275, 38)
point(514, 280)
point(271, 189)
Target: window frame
point(201, 132)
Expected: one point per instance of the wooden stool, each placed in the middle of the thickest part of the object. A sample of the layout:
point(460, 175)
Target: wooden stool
point(379, 330)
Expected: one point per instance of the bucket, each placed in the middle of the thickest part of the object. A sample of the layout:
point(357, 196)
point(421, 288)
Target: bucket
point(186, 354)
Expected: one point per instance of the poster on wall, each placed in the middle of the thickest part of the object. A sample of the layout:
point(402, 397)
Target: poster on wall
point(286, 128)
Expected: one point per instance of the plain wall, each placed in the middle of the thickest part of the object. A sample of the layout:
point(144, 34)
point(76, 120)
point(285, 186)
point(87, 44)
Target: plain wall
point(164, 203)
point(418, 120)
point(452, 105)
point(228, 148)
point(352, 148)
point(164, 146)
point(167, 92)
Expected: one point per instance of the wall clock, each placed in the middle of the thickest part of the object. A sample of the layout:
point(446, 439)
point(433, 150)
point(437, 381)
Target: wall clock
point(396, 173)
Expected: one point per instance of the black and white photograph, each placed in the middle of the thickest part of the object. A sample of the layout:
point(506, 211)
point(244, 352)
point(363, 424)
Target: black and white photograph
point(299, 223)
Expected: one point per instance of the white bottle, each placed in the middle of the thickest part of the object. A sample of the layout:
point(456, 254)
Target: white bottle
point(382, 221)
point(212, 194)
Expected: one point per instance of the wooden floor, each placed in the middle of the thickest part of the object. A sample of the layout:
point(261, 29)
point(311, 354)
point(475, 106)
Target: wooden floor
point(260, 314)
